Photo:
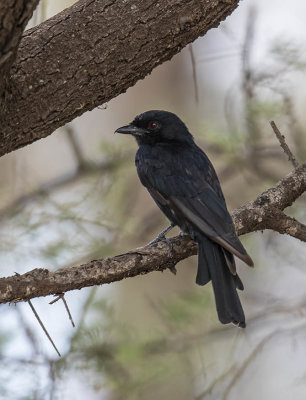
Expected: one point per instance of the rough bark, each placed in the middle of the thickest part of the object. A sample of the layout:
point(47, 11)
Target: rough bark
point(265, 212)
point(14, 15)
point(92, 52)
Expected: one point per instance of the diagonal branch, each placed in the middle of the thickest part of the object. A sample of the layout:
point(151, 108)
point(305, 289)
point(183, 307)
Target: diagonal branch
point(254, 215)
point(14, 15)
point(282, 223)
point(262, 213)
point(90, 53)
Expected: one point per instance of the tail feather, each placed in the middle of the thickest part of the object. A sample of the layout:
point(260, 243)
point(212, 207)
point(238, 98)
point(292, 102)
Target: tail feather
point(213, 265)
point(203, 274)
point(238, 283)
point(230, 261)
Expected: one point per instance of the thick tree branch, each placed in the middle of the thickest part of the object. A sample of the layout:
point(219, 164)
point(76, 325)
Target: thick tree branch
point(14, 15)
point(263, 213)
point(92, 52)
point(254, 215)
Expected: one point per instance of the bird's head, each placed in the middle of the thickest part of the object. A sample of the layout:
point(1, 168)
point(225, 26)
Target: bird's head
point(156, 126)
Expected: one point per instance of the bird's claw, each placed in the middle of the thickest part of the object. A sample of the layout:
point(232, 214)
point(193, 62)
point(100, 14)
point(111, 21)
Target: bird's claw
point(162, 238)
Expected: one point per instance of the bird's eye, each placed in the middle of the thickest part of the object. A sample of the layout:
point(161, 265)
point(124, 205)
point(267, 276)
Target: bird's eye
point(153, 125)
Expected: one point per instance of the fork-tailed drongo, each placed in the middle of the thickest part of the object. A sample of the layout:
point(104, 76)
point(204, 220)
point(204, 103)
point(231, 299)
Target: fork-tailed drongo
point(184, 185)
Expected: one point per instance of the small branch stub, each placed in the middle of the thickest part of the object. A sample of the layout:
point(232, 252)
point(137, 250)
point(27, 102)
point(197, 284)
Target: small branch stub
point(284, 145)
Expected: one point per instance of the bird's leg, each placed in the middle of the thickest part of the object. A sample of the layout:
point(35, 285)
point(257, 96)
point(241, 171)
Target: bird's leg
point(161, 236)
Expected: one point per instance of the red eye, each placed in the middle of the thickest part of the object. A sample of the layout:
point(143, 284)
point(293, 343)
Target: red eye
point(153, 125)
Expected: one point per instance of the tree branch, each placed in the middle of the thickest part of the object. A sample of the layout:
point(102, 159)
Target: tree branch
point(262, 213)
point(14, 15)
point(282, 223)
point(92, 52)
point(259, 214)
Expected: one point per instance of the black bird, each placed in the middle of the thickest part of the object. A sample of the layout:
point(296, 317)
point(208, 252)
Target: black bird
point(185, 186)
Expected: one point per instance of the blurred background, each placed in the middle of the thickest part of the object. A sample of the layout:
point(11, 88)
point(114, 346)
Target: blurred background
point(75, 196)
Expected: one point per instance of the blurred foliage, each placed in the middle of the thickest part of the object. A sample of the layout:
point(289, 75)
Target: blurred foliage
point(133, 361)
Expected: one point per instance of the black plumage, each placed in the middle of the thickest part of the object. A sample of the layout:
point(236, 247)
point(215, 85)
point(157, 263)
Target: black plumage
point(184, 185)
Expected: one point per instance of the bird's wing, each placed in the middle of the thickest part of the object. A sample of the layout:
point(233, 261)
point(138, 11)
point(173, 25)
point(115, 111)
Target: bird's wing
point(188, 185)
point(211, 218)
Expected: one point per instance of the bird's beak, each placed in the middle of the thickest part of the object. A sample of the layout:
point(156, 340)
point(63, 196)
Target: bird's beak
point(132, 130)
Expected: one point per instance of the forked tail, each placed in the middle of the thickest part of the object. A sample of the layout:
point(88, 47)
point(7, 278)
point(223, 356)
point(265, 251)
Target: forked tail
point(212, 265)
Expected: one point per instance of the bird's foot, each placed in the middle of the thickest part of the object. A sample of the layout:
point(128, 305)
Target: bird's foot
point(162, 237)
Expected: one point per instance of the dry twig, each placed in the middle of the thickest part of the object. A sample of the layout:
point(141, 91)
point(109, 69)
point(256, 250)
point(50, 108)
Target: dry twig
point(62, 297)
point(43, 326)
point(67, 309)
point(284, 145)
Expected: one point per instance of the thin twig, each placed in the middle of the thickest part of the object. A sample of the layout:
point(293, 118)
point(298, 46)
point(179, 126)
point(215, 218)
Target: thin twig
point(67, 309)
point(194, 73)
point(285, 147)
point(55, 300)
point(43, 327)
point(62, 296)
